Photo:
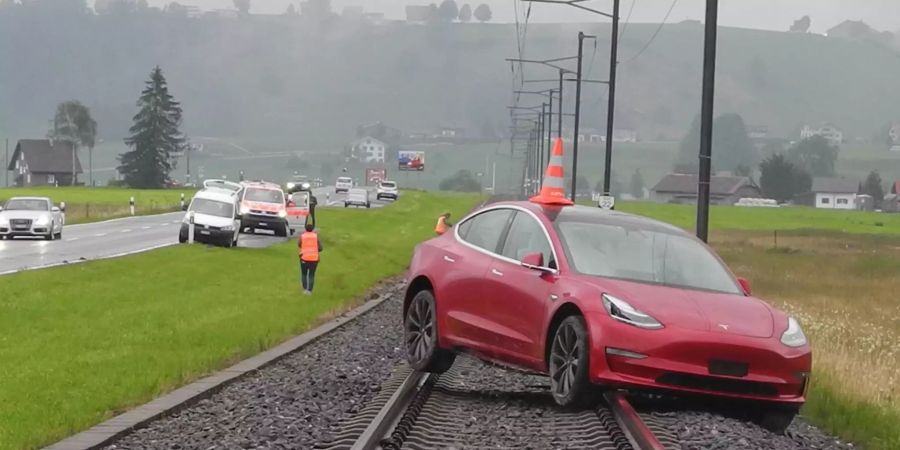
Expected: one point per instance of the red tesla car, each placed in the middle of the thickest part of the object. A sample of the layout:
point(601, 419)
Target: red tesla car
point(594, 297)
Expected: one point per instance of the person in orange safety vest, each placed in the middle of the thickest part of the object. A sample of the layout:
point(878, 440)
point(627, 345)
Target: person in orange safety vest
point(443, 223)
point(309, 247)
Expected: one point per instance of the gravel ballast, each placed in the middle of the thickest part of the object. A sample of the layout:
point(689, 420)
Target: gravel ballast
point(293, 402)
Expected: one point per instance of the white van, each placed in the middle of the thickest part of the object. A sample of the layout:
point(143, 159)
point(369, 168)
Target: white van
point(358, 197)
point(216, 214)
point(343, 184)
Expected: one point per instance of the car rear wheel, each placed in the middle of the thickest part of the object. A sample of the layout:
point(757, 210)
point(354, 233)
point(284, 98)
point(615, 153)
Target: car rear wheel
point(420, 326)
point(569, 363)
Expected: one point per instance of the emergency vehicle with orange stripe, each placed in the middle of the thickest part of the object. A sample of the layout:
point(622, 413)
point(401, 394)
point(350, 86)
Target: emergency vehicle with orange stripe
point(265, 206)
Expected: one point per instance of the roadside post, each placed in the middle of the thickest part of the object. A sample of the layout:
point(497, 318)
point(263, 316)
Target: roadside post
point(607, 202)
point(131, 205)
point(191, 228)
point(182, 201)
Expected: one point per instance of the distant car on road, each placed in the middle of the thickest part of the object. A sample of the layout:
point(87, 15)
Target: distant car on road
point(343, 184)
point(31, 216)
point(358, 197)
point(264, 206)
point(216, 214)
point(601, 298)
point(386, 189)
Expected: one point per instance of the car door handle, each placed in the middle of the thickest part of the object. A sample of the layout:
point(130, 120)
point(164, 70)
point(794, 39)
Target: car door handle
point(449, 259)
point(497, 272)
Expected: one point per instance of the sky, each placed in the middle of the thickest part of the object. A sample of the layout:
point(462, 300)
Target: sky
point(761, 14)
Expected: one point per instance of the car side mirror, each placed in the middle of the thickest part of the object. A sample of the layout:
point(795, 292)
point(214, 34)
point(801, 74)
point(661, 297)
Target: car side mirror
point(534, 261)
point(745, 285)
point(54, 209)
point(184, 207)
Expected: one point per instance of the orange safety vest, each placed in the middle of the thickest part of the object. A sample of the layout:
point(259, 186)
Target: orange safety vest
point(309, 247)
point(441, 226)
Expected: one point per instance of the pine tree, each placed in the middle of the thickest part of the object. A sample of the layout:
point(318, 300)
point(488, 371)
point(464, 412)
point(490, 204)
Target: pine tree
point(155, 136)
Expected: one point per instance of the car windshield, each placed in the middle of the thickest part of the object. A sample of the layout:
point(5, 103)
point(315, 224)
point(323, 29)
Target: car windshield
point(21, 204)
point(264, 195)
point(389, 184)
point(343, 180)
point(642, 255)
point(212, 207)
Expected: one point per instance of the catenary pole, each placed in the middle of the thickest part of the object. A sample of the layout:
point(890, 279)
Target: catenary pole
point(706, 118)
point(611, 111)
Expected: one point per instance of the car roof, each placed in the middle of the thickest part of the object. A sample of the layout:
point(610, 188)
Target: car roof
point(261, 185)
point(589, 214)
point(220, 195)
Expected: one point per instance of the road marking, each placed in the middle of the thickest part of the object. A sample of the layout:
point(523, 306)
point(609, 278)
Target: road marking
point(72, 239)
point(100, 235)
point(125, 231)
point(145, 228)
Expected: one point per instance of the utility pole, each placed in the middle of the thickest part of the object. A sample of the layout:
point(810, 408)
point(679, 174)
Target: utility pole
point(581, 37)
point(560, 115)
point(91, 164)
point(706, 118)
point(187, 150)
point(539, 156)
point(549, 134)
point(611, 112)
point(6, 162)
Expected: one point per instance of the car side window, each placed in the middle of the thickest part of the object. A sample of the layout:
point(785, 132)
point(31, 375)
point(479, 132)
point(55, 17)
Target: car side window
point(527, 236)
point(486, 228)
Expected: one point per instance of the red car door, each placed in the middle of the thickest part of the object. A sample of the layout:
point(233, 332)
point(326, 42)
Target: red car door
point(463, 268)
point(517, 298)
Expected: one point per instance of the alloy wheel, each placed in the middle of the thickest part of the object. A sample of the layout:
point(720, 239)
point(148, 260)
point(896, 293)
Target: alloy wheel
point(420, 330)
point(564, 360)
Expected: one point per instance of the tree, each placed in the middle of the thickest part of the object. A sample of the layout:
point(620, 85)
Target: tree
point(462, 181)
point(781, 180)
point(815, 155)
point(465, 13)
point(874, 186)
point(73, 123)
point(483, 13)
point(448, 11)
point(243, 6)
point(177, 9)
point(801, 25)
point(155, 136)
point(637, 184)
point(291, 10)
point(731, 145)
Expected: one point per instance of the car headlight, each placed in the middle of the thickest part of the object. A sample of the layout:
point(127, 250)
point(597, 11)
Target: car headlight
point(793, 336)
point(290, 185)
point(245, 210)
point(228, 228)
point(282, 213)
point(43, 220)
point(620, 310)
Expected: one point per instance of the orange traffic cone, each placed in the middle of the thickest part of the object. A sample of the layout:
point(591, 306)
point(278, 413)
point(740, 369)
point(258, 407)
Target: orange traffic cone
point(553, 191)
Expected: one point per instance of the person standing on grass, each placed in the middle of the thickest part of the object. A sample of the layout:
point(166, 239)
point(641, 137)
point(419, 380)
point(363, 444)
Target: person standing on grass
point(310, 247)
point(443, 224)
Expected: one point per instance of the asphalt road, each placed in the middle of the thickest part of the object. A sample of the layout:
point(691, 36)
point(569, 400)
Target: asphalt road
point(104, 240)
point(126, 236)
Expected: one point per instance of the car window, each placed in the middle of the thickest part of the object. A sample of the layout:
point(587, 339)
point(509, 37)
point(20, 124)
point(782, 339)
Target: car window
point(212, 207)
point(388, 184)
point(487, 227)
point(27, 205)
point(264, 195)
point(527, 236)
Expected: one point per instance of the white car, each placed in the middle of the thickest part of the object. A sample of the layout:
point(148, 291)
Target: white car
point(215, 211)
point(31, 216)
point(343, 184)
point(387, 189)
point(358, 197)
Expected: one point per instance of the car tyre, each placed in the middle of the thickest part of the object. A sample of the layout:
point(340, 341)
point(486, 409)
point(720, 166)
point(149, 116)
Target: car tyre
point(368, 205)
point(775, 420)
point(569, 363)
point(421, 336)
point(50, 236)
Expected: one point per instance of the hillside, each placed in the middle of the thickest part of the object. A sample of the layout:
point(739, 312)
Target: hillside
point(303, 86)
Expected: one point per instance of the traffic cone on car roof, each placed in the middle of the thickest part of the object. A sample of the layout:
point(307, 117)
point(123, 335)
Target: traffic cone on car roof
point(553, 191)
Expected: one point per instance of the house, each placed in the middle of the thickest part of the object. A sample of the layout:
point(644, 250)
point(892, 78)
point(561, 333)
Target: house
point(831, 133)
point(380, 131)
point(368, 150)
point(723, 190)
point(831, 193)
point(622, 135)
point(42, 162)
point(453, 133)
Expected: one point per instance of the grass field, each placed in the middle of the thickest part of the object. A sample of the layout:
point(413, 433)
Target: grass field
point(97, 338)
point(93, 204)
point(843, 289)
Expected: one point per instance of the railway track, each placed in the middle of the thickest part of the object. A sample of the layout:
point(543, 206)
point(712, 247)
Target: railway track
point(427, 411)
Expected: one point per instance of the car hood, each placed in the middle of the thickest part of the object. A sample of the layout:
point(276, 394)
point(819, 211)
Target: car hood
point(16, 214)
point(694, 310)
point(212, 221)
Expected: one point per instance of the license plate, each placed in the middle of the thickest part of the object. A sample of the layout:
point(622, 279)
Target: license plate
point(21, 227)
point(205, 233)
point(728, 368)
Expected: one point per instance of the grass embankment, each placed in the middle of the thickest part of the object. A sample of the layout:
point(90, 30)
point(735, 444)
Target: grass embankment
point(843, 289)
point(85, 204)
point(100, 337)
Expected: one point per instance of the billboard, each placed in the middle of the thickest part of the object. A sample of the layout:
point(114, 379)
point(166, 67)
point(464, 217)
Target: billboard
point(411, 160)
point(373, 176)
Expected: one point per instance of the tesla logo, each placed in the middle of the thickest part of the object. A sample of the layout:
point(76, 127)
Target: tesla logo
point(723, 326)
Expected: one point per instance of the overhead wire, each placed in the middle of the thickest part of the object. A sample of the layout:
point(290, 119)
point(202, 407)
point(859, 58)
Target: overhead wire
point(627, 20)
point(655, 34)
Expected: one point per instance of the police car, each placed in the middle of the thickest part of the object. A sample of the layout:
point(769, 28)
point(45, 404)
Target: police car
point(214, 214)
point(263, 206)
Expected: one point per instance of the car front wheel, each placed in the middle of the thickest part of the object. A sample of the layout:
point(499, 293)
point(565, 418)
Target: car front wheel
point(775, 420)
point(420, 329)
point(569, 363)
